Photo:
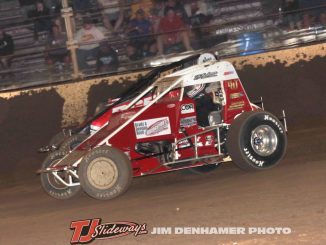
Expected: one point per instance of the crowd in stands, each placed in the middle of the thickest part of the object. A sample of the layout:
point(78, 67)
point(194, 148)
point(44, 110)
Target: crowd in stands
point(152, 27)
point(298, 14)
point(146, 27)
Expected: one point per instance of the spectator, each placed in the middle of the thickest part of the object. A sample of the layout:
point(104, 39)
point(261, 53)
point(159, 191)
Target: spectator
point(291, 16)
point(80, 8)
point(313, 14)
point(88, 37)
point(150, 49)
point(174, 38)
point(112, 12)
point(197, 13)
point(133, 54)
point(139, 30)
point(6, 49)
point(195, 7)
point(107, 58)
point(145, 5)
point(56, 51)
point(55, 7)
point(156, 14)
point(42, 20)
point(178, 8)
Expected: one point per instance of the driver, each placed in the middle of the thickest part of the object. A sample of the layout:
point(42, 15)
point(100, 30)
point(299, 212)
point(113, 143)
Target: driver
point(203, 102)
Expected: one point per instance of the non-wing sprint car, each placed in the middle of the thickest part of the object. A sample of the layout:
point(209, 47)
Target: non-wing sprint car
point(194, 118)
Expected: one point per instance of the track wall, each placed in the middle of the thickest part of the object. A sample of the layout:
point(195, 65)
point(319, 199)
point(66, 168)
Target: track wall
point(293, 79)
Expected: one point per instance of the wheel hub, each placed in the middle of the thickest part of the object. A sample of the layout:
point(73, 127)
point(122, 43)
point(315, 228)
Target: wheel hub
point(102, 173)
point(264, 140)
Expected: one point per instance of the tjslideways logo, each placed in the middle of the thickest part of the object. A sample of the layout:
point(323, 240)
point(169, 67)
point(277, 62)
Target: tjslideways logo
point(86, 231)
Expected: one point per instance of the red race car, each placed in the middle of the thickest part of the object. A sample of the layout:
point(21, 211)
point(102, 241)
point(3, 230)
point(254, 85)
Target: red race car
point(194, 118)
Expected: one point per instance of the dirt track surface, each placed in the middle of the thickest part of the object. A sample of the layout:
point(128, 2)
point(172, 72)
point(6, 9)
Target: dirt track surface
point(290, 195)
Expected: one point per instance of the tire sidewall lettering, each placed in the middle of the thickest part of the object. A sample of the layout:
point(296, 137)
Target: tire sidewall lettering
point(252, 157)
point(271, 119)
point(63, 193)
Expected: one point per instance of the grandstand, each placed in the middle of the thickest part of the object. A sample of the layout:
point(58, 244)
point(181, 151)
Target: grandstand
point(235, 27)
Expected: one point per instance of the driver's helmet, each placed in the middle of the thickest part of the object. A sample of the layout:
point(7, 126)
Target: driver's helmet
point(195, 91)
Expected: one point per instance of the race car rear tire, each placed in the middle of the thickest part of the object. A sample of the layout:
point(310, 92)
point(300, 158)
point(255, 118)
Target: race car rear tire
point(72, 142)
point(105, 173)
point(256, 141)
point(51, 185)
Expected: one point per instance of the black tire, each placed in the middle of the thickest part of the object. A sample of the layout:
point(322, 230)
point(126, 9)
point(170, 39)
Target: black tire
point(72, 142)
point(57, 139)
point(101, 184)
point(256, 141)
point(51, 185)
point(205, 169)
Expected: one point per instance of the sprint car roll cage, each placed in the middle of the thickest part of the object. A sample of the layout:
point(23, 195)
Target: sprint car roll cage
point(178, 144)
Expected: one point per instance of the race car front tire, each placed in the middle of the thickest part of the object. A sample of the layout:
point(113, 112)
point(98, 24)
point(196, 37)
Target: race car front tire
point(51, 185)
point(256, 141)
point(105, 173)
